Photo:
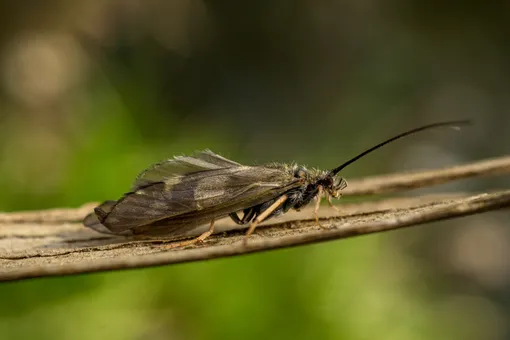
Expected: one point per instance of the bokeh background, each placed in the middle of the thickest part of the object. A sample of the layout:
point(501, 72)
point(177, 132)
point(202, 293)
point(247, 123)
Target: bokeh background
point(91, 92)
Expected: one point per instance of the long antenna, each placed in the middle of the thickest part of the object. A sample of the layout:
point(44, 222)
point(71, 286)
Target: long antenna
point(453, 124)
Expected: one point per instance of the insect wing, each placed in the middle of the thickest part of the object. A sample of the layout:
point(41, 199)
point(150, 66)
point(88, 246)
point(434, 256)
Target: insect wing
point(190, 188)
point(182, 165)
point(232, 200)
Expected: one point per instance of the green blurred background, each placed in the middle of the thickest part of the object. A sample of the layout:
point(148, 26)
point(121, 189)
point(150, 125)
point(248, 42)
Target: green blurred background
point(92, 92)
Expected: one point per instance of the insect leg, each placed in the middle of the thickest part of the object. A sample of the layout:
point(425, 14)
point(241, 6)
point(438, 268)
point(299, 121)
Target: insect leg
point(293, 198)
point(320, 193)
point(332, 205)
point(235, 218)
point(248, 215)
point(198, 239)
point(263, 215)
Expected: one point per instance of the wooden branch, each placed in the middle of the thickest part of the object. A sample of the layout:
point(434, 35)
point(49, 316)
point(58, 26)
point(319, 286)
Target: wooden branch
point(412, 180)
point(53, 242)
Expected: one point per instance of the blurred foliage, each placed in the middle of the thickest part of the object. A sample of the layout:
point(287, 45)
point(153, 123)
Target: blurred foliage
point(92, 93)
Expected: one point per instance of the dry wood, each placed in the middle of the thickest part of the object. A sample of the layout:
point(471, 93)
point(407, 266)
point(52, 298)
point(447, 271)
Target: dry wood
point(53, 242)
point(412, 180)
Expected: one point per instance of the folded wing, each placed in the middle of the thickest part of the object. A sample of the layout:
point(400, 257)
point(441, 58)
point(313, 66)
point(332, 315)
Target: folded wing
point(188, 189)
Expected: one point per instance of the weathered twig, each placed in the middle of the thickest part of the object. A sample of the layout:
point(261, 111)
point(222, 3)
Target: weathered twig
point(365, 186)
point(88, 258)
point(412, 180)
point(53, 242)
point(58, 215)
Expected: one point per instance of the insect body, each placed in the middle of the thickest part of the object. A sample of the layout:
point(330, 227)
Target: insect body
point(177, 195)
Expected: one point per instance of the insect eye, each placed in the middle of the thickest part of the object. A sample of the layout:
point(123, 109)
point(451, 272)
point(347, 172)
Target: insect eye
point(300, 172)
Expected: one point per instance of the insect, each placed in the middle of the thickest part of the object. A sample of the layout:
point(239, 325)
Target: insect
point(177, 195)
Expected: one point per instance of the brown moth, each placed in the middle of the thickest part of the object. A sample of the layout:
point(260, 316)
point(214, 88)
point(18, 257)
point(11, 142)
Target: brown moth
point(175, 196)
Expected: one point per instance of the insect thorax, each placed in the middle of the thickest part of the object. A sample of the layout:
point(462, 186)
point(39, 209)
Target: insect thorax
point(299, 171)
point(313, 179)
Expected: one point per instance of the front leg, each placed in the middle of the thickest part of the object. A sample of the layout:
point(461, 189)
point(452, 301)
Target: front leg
point(320, 193)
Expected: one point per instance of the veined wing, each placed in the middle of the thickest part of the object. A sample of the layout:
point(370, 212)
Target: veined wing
point(182, 165)
point(193, 195)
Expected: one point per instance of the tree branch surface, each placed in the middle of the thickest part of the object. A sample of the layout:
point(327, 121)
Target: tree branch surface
point(54, 242)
